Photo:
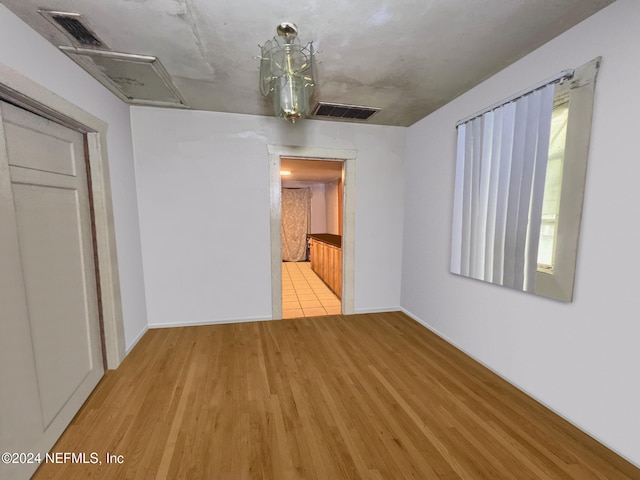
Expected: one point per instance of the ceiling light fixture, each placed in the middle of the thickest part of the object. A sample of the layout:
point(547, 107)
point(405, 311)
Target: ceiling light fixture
point(285, 172)
point(288, 70)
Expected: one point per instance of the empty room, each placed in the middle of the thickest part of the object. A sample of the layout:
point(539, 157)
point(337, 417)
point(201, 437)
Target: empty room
point(341, 240)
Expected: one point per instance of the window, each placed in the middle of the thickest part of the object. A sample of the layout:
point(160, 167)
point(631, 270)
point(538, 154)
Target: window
point(519, 186)
point(553, 186)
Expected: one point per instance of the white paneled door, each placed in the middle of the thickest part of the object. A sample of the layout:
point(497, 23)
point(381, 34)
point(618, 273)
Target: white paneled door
point(50, 346)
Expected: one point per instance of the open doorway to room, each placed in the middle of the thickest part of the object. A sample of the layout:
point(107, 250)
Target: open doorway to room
point(312, 206)
point(344, 217)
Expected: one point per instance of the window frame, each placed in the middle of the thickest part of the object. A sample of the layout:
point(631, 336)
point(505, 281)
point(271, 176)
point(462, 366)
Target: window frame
point(559, 283)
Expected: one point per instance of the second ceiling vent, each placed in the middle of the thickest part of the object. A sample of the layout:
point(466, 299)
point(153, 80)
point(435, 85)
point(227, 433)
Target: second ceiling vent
point(75, 27)
point(339, 110)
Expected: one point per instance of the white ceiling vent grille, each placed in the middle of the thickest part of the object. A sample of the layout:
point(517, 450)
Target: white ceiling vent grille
point(75, 27)
point(347, 112)
point(138, 79)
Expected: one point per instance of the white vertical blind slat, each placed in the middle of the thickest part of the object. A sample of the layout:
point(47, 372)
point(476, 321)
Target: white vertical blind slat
point(506, 150)
point(532, 128)
point(475, 164)
point(515, 185)
point(492, 198)
point(483, 194)
point(467, 202)
point(537, 187)
point(456, 234)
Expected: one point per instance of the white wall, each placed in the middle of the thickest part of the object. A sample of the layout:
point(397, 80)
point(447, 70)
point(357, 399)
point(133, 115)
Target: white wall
point(331, 194)
point(581, 359)
point(318, 205)
point(203, 192)
point(26, 52)
point(318, 209)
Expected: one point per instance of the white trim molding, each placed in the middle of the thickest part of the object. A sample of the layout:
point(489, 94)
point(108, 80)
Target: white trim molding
point(201, 323)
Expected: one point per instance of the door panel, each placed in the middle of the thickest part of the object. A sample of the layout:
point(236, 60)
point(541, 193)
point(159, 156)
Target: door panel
point(50, 238)
point(50, 328)
point(49, 153)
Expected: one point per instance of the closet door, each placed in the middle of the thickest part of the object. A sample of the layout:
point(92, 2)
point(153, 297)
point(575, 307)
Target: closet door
point(50, 346)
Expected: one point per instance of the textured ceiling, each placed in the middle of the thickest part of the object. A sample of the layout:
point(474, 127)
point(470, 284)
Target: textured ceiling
point(406, 57)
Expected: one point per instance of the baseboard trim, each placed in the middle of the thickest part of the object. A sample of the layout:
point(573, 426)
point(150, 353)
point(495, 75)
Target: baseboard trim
point(224, 321)
point(377, 310)
point(198, 323)
point(136, 340)
point(593, 437)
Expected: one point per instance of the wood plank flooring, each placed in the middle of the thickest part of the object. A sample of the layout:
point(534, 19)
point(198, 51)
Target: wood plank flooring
point(373, 396)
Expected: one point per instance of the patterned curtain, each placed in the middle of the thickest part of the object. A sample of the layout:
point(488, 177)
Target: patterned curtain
point(296, 222)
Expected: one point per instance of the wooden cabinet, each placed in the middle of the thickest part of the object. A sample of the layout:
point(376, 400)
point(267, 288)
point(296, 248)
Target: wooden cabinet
point(326, 261)
point(336, 271)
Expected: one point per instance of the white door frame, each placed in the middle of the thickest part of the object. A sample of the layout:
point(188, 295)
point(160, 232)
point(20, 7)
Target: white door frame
point(348, 218)
point(24, 92)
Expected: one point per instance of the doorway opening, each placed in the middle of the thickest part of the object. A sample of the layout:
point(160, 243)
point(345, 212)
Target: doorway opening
point(312, 207)
point(342, 221)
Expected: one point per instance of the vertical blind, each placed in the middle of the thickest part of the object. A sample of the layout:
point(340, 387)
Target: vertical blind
point(499, 188)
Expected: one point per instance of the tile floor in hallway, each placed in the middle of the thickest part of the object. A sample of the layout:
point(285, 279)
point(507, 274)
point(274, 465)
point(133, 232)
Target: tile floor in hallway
point(304, 294)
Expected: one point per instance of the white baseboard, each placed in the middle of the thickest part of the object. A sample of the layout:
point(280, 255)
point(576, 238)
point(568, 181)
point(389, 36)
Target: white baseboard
point(519, 387)
point(378, 310)
point(198, 323)
point(223, 321)
point(429, 327)
point(136, 340)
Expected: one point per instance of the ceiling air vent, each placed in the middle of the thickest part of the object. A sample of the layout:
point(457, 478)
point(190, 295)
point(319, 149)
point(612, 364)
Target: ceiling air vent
point(74, 26)
point(139, 79)
point(339, 110)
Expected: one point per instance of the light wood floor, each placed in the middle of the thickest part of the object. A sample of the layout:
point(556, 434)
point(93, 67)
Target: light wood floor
point(372, 396)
